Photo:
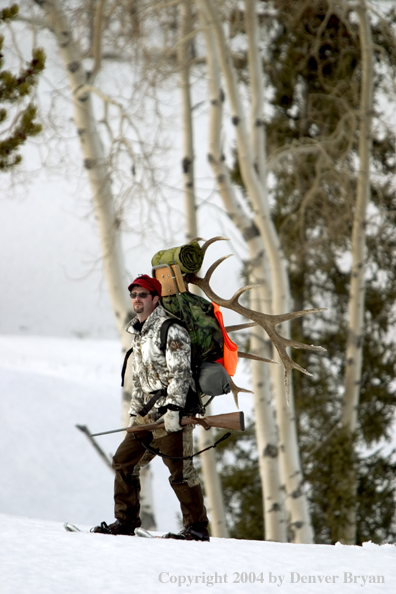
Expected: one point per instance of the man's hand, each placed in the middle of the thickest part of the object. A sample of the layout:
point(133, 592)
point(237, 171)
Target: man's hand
point(132, 420)
point(172, 421)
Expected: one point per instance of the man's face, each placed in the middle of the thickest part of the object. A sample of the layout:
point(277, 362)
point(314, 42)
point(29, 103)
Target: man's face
point(143, 303)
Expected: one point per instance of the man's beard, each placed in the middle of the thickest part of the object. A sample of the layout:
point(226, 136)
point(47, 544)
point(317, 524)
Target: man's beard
point(138, 307)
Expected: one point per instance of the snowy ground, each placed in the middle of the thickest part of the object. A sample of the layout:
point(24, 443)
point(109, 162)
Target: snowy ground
point(39, 557)
point(51, 474)
point(48, 468)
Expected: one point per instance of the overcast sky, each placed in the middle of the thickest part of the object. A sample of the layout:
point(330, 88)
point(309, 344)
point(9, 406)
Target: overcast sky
point(50, 269)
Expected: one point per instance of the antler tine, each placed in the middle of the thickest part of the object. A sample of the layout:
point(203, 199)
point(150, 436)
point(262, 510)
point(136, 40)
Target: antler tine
point(212, 240)
point(196, 239)
point(208, 242)
point(297, 314)
point(235, 391)
point(281, 342)
point(237, 294)
point(256, 358)
point(236, 327)
point(211, 270)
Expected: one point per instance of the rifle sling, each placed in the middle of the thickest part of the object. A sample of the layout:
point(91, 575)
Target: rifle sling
point(152, 450)
point(150, 403)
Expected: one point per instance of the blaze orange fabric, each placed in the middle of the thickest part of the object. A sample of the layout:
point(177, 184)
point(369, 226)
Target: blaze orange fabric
point(230, 352)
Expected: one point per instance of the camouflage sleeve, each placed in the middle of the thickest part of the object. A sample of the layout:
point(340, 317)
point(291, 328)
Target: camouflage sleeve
point(178, 361)
point(137, 395)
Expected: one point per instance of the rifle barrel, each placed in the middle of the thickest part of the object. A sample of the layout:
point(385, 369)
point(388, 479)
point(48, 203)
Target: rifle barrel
point(235, 421)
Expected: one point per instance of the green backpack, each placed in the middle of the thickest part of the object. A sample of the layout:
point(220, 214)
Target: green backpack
point(197, 315)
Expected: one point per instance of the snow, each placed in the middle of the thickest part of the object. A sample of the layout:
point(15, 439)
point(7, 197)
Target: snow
point(39, 557)
point(51, 474)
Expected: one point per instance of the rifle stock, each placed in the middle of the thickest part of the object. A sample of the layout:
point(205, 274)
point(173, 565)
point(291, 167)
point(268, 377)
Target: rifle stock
point(234, 421)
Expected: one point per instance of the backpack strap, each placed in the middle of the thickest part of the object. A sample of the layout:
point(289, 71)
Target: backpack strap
point(124, 365)
point(163, 338)
point(193, 402)
point(164, 331)
point(150, 403)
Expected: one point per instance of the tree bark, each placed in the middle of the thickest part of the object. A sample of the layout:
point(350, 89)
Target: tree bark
point(94, 163)
point(266, 427)
point(265, 422)
point(354, 350)
point(184, 59)
point(300, 528)
point(99, 177)
point(211, 479)
point(266, 434)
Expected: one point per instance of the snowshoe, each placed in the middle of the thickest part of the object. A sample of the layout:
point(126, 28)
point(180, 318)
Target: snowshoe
point(188, 533)
point(115, 528)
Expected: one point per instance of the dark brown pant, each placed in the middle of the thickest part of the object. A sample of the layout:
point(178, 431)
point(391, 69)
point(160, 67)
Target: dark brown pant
point(131, 456)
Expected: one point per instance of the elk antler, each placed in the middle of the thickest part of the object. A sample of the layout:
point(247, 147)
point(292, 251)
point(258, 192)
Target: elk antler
point(248, 355)
point(266, 321)
point(209, 242)
point(240, 327)
point(235, 391)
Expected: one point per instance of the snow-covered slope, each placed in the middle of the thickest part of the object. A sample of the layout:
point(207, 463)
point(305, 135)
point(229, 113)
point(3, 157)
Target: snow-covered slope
point(48, 468)
point(51, 474)
point(39, 557)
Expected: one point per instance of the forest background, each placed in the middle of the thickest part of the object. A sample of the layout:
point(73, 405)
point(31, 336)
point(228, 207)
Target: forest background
point(308, 88)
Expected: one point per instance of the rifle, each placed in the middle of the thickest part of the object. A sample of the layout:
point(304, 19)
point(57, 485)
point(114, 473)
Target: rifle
point(234, 421)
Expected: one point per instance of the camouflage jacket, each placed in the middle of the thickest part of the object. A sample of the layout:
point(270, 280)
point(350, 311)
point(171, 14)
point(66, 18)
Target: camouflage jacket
point(153, 370)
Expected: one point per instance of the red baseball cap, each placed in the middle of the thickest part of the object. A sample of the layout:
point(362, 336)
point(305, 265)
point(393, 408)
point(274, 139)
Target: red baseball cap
point(148, 283)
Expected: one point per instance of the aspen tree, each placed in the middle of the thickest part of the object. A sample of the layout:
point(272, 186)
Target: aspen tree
point(211, 479)
point(266, 433)
point(356, 307)
point(300, 528)
point(99, 176)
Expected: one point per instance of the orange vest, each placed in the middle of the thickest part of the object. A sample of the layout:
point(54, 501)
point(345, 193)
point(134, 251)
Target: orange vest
point(230, 350)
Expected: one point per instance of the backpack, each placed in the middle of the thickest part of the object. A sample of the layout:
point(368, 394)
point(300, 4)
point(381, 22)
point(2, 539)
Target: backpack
point(213, 354)
point(197, 316)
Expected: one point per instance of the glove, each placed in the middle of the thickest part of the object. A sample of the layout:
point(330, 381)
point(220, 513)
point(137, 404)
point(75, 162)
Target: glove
point(132, 420)
point(172, 421)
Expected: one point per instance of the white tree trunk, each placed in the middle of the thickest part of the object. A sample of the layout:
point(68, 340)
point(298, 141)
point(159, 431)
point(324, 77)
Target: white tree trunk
point(99, 180)
point(146, 499)
point(94, 163)
point(256, 92)
point(300, 528)
point(266, 427)
point(213, 488)
point(266, 424)
point(266, 434)
point(184, 58)
point(211, 479)
point(354, 351)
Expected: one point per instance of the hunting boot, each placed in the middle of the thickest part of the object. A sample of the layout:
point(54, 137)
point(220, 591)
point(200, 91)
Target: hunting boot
point(116, 528)
point(195, 519)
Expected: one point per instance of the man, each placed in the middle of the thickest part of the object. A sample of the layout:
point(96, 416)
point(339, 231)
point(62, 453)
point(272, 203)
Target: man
point(161, 382)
